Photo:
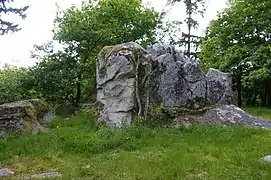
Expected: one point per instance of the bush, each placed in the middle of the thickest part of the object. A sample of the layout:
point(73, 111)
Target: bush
point(157, 116)
point(11, 85)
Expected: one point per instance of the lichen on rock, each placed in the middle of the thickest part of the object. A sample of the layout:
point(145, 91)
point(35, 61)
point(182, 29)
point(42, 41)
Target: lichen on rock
point(126, 49)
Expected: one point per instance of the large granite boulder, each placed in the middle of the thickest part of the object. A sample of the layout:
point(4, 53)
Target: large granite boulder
point(24, 116)
point(174, 81)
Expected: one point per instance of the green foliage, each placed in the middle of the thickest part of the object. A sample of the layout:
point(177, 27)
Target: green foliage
point(200, 152)
point(65, 110)
point(193, 9)
point(158, 116)
point(90, 114)
point(107, 22)
point(5, 25)
point(68, 76)
point(238, 41)
point(55, 78)
point(11, 84)
point(262, 112)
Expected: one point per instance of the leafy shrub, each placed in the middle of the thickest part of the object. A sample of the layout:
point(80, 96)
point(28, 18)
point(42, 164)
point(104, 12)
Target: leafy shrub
point(157, 116)
point(11, 85)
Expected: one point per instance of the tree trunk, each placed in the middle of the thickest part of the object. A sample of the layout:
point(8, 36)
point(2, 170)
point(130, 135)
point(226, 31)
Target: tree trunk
point(78, 91)
point(269, 94)
point(239, 90)
point(254, 98)
point(189, 38)
point(264, 96)
point(263, 101)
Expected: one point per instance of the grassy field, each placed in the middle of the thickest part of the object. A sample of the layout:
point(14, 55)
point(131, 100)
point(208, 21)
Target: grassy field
point(263, 112)
point(81, 150)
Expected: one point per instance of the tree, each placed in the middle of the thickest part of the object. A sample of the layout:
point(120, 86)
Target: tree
point(5, 25)
point(239, 42)
point(193, 8)
point(167, 32)
point(84, 31)
point(54, 77)
point(11, 84)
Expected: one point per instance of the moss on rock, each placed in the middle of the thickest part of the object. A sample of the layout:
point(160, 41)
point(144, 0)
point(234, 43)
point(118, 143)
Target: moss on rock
point(23, 115)
point(108, 51)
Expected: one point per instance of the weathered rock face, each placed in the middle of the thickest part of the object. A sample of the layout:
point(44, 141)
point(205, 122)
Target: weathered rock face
point(219, 89)
point(174, 81)
point(23, 115)
point(177, 80)
point(219, 115)
point(115, 85)
point(180, 82)
point(230, 114)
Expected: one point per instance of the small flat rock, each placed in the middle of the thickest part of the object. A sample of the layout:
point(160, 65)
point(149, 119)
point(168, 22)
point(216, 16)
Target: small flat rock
point(6, 172)
point(266, 159)
point(2, 133)
point(45, 175)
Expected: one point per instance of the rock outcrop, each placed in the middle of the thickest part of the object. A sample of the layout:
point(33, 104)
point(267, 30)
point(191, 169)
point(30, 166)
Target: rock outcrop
point(219, 115)
point(129, 78)
point(219, 87)
point(230, 114)
point(180, 82)
point(24, 116)
point(115, 84)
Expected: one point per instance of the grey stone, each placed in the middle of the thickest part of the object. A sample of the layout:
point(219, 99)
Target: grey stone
point(44, 175)
point(158, 49)
point(219, 87)
point(176, 81)
point(192, 72)
point(266, 159)
point(2, 133)
point(24, 115)
point(6, 172)
point(48, 116)
point(115, 90)
point(197, 94)
point(169, 83)
point(230, 114)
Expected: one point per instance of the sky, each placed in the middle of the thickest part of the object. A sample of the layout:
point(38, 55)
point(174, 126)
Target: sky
point(37, 27)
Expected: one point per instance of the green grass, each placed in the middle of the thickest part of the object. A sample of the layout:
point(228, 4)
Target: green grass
point(263, 112)
point(81, 151)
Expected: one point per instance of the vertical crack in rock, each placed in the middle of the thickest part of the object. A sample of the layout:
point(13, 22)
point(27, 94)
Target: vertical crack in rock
point(174, 81)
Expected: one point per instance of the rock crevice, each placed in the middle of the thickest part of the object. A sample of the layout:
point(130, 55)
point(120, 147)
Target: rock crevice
point(173, 81)
point(163, 76)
